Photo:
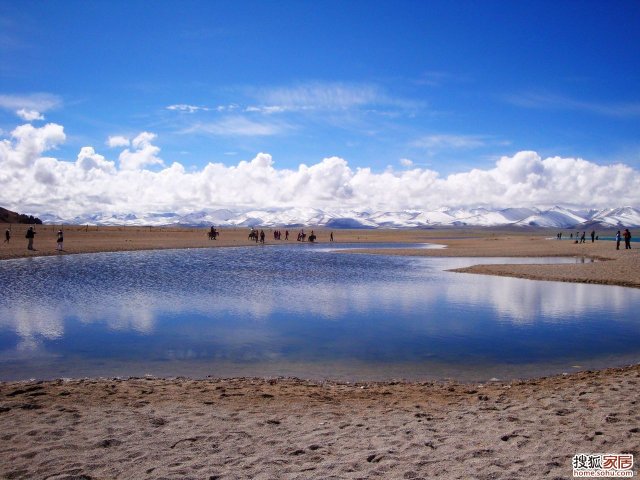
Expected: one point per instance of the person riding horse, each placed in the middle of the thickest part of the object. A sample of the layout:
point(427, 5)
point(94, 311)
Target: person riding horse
point(213, 233)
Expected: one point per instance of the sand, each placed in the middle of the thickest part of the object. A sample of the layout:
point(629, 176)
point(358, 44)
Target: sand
point(288, 428)
point(293, 428)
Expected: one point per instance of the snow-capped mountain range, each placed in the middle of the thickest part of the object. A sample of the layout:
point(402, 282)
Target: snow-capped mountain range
point(556, 217)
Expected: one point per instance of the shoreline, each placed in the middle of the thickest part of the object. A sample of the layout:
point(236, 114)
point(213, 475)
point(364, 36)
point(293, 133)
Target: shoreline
point(614, 267)
point(292, 428)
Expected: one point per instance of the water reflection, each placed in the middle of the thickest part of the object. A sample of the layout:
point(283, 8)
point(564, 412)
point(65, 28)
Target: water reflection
point(292, 304)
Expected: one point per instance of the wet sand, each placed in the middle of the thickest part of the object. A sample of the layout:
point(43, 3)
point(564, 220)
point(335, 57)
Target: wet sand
point(293, 428)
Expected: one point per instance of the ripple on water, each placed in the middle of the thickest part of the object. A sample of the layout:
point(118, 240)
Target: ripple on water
point(300, 310)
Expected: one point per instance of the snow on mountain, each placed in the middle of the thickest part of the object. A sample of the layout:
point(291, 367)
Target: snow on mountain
point(406, 218)
point(506, 216)
point(433, 218)
point(618, 217)
point(556, 217)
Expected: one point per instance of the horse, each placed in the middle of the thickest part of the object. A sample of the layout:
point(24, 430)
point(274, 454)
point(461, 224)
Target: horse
point(212, 234)
point(312, 237)
point(253, 235)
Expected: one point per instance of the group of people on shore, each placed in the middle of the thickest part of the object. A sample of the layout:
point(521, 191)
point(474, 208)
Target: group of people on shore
point(259, 236)
point(30, 235)
point(581, 238)
point(627, 239)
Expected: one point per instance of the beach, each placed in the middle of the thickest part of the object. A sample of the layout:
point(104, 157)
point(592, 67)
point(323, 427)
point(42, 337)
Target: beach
point(296, 428)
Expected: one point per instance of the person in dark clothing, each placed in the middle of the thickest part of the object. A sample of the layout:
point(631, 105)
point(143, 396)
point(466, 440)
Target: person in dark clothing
point(593, 236)
point(31, 234)
point(618, 237)
point(60, 240)
point(627, 239)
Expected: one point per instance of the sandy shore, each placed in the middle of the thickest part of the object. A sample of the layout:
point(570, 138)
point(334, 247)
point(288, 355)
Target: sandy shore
point(287, 428)
point(290, 428)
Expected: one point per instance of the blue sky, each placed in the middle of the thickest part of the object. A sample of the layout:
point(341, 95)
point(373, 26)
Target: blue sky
point(440, 85)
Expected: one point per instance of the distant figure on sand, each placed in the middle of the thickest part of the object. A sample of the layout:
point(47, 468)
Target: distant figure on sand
point(627, 238)
point(7, 236)
point(331, 237)
point(59, 240)
point(593, 236)
point(618, 237)
point(582, 240)
point(31, 234)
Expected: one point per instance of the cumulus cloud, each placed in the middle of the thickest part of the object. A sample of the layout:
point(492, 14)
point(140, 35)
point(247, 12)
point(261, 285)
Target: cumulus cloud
point(118, 141)
point(29, 115)
point(88, 161)
point(93, 183)
point(142, 155)
point(406, 162)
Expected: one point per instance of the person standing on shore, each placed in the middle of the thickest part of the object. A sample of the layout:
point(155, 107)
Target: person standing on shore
point(59, 241)
point(618, 240)
point(627, 239)
point(7, 235)
point(593, 236)
point(331, 237)
point(31, 234)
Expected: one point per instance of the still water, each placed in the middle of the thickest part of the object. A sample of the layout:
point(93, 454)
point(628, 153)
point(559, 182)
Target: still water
point(302, 310)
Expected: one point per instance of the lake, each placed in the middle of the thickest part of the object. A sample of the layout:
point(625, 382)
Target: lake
point(302, 310)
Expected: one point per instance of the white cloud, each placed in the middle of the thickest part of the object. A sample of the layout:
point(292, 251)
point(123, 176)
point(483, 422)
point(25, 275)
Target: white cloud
point(144, 153)
point(30, 107)
point(29, 115)
point(406, 162)
point(449, 142)
point(319, 96)
point(28, 145)
point(238, 126)
point(89, 161)
point(181, 107)
point(118, 141)
point(95, 184)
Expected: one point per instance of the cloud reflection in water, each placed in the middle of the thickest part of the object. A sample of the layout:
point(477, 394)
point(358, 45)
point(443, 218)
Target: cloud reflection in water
point(255, 304)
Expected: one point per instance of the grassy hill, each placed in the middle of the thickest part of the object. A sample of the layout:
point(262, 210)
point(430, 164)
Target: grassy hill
point(7, 216)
